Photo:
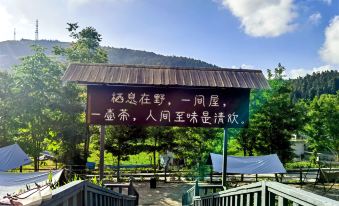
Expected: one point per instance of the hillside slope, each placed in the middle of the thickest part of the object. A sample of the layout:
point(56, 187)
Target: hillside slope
point(12, 51)
point(319, 83)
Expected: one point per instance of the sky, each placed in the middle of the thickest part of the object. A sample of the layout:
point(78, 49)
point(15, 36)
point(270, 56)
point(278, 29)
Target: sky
point(302, 35)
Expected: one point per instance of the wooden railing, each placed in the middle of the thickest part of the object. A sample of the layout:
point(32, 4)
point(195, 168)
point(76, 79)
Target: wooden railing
point(198, 190)
point(264, 194)
point(87, 194)
point(127, 189)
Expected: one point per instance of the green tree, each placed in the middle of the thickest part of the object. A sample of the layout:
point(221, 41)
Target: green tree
point(273, 121)
point(86, 48)
point(123, 141)
point(322, 128)
point(195, 144)
point(45, 111)
point(36, 91)
point(6, 112)
point(159, 139)
point(318, 83)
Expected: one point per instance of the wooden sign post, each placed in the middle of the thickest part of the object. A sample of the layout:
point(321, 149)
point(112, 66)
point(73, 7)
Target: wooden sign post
point(184, 107)
point(166, 96)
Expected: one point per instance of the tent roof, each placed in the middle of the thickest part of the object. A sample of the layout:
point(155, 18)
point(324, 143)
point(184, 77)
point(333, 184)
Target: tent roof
point(11, 182)
point(164, 76)
point(12, 157)
point(268, 164)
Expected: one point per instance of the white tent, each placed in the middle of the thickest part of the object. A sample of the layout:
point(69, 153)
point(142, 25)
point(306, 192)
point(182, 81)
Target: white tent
point(268, 164)
point(12, 183)
point(12, 157)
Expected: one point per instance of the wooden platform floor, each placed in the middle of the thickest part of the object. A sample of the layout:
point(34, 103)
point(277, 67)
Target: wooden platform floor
point(171, 193)
point(164, 194)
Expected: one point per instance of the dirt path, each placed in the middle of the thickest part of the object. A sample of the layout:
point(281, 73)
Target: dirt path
point(164, 194)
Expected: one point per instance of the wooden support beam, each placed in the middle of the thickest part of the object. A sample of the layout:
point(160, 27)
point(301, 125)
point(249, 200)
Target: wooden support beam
point(102, 152)
point(224, 165)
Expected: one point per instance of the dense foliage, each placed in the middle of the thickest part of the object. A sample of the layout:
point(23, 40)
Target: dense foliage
point(273, 121)
point(310, 86)
point(37, 110)
point(322, 126)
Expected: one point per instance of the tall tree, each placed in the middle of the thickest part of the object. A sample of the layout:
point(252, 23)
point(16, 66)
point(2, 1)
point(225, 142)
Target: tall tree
point(123, 141)
point(322, 128)
point(195, 144)
point(37, 88)
point(85, 49)
point(6, 112)
point(273, 123)
point(160, 139)
point(45, 111)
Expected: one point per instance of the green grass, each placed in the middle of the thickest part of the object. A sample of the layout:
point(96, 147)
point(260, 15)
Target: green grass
point(30, 167)
point(141, 158)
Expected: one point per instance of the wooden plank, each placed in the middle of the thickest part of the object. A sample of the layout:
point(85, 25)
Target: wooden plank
point(282, 201)
point(263, 194)
point(304, 202)
point(248, 199)
point(298, 195)
point(111, 74)
point(256, 199)
point(271, 199)
point(236, 203)
point(241, 199)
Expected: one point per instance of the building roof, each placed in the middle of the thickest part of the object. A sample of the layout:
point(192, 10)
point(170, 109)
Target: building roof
point(164, 76)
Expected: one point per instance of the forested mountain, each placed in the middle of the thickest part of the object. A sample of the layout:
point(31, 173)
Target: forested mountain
point(314, 85)
point(12, 51)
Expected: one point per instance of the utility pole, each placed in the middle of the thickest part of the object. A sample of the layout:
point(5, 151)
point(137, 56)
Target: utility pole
point(36, 30)
point(14, 35)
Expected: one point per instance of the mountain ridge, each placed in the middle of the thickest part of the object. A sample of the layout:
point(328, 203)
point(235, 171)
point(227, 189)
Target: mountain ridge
point(11, 51)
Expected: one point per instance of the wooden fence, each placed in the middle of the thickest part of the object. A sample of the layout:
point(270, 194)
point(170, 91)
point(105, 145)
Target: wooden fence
point(261, 193)
point(87, 194)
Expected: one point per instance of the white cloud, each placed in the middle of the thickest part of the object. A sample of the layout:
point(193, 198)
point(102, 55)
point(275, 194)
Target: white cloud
point(247, 66)
point(301, 72)
point(243, 66)
point(330, 49)
point(264, 18)
point(315, 18)
point(295, 73)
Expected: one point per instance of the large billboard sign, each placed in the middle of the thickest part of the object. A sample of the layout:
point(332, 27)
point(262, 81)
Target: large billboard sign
point(167, 106)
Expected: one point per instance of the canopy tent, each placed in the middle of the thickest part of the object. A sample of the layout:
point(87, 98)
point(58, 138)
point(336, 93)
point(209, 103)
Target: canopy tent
point(12, 182)
point(12, 157)
point(46, 155)
point(268, 164)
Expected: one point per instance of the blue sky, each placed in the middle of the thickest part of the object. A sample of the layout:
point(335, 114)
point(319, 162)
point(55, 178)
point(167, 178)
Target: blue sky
point(257, 34)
